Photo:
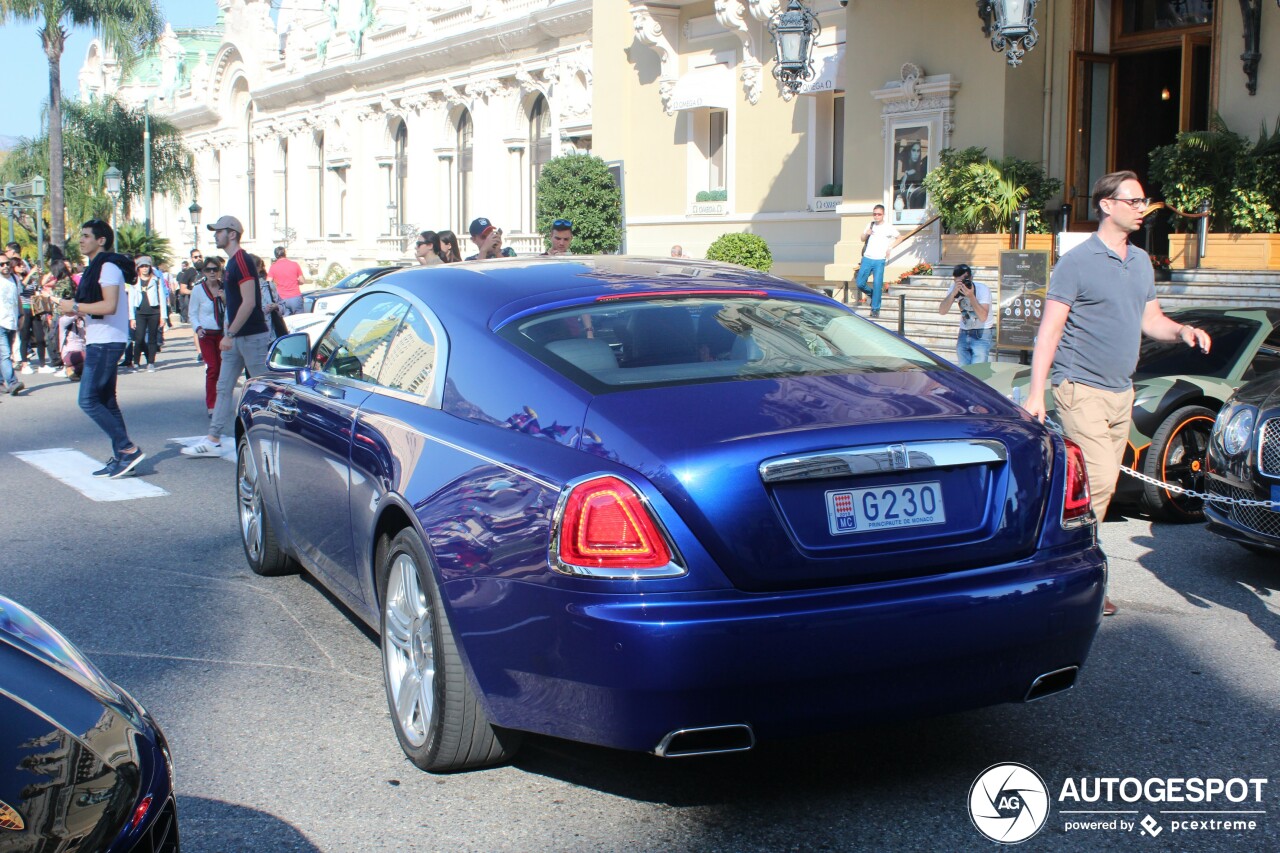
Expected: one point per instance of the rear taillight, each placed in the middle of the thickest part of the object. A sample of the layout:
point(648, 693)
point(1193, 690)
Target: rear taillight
point(140, 812)
point(1076, 508)
point(605, 529)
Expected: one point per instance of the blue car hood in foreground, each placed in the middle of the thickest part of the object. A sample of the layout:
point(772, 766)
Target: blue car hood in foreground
point(702, 446)
point(73, 748)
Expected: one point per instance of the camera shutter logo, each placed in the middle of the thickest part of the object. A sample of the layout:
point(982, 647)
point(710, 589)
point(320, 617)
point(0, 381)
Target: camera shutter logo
point(1008, 803)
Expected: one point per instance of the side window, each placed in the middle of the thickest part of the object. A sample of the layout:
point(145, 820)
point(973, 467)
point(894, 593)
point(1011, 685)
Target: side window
point(1268, 357)
point(410, 364)
point(355, 346)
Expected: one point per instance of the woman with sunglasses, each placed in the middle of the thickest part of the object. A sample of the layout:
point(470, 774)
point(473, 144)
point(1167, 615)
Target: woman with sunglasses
point(427, 249)
point(447, 247)
point(207, 312)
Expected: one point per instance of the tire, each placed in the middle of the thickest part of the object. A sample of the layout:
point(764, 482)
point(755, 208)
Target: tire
point(1176, 456)
point(261, 547)
point(436, 716)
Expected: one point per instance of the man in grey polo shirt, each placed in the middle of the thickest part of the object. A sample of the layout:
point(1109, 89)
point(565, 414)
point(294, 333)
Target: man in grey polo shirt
point(1101, 301)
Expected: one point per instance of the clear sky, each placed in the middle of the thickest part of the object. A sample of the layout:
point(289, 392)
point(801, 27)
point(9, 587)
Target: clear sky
point(27, 69)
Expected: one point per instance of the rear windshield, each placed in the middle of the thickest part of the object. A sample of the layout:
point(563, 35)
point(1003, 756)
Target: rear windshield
point(1230, 336)
point(629, 343)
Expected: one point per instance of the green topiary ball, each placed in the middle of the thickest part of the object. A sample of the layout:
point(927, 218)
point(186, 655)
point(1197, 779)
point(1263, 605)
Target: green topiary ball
point(748, 250)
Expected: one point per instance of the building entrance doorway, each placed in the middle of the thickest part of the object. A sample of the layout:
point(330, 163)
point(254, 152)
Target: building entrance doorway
point(1141, 73)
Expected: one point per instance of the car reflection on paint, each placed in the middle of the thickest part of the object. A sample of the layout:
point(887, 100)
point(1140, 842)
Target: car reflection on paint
point(82, 765)
point(661, 507)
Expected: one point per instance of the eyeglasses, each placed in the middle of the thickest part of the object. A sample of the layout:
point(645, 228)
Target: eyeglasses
point(877, 213)
point(1134, 203)
point(210, 269)
point(421, 243)
point(562, 223)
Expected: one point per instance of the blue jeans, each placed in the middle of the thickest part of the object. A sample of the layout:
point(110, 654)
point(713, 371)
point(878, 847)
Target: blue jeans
point(6, 359)
point(865, 271)
point(98, 393)
point(973, 346)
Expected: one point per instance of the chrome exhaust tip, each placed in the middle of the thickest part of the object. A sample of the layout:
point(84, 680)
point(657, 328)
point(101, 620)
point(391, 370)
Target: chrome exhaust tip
point(707, 740)
point(1052, 682)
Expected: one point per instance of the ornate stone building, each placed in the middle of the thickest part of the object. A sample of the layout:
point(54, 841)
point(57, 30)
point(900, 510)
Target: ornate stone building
point(343, 127)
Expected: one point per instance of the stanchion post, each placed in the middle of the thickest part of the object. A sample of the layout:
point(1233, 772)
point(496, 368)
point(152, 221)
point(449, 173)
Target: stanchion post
point(1202, 236)
point(902, 315)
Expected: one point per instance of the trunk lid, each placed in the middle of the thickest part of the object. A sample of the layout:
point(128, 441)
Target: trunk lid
point(827, 480)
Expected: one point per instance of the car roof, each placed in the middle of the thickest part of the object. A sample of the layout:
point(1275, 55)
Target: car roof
point(496, 290)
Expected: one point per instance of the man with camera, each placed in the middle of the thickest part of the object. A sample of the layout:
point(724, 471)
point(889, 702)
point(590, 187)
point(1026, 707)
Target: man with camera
point(977, 320)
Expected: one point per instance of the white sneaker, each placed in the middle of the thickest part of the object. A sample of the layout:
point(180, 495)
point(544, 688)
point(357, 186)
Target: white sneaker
point(26, 370)
point(151, 368)
point(204, 448)
point(47, 368)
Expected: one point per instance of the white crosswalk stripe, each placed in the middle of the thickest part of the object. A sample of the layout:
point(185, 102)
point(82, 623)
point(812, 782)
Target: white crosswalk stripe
point(75, 469)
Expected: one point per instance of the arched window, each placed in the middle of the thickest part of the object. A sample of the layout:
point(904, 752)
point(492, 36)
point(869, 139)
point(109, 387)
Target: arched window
point(539, 152)
point(466, 139)
point(400, 180)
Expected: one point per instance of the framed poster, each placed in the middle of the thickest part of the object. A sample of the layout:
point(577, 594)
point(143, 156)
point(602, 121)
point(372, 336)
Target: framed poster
point(911, 147)
point(1024, 281)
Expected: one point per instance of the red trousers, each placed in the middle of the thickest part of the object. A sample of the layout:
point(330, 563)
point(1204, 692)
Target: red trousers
point(212, 365)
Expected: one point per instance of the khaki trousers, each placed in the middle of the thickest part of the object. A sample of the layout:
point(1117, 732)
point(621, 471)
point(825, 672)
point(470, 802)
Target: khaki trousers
point(1098, 421)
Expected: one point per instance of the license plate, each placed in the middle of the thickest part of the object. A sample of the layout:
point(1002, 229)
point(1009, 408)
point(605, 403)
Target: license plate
point(884, 508)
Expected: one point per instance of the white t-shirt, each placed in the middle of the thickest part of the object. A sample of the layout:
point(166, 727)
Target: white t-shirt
point(882, 236)
point(113, 328)
point(969, 315)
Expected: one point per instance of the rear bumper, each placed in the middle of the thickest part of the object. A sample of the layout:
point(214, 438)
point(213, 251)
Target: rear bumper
point(624, 670)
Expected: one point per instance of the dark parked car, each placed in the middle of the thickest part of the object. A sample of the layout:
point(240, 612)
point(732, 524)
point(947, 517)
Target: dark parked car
point(344, 289)
point(1244, 465)
point(83, 767)
point(662, 508)
point(1178, 392)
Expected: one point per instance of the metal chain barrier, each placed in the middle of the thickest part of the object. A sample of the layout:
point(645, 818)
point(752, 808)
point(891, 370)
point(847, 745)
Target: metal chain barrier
point(1192, 493)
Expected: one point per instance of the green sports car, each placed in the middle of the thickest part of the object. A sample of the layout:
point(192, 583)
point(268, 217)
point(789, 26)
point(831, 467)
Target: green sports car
point(1177, 394)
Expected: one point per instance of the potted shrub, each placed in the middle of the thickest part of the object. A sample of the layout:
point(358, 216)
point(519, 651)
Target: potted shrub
point(977, 199)
point(748, 250)
point(1241, 183)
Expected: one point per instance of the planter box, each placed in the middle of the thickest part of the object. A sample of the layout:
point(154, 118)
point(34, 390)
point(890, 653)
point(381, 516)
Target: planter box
point(976, 250)
point(1226, 252)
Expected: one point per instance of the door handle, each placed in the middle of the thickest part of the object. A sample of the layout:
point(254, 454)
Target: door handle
point(286, 410)
point(330, 392)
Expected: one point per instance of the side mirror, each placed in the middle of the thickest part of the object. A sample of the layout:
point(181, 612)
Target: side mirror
point(290, 353)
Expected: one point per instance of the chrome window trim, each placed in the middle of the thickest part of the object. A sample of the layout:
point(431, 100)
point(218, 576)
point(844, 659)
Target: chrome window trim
point(882, 458)
point(435, 397)
point(673, 569)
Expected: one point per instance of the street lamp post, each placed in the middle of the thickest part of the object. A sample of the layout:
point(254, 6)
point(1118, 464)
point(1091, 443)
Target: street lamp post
point(113, 177)
point(194, 210)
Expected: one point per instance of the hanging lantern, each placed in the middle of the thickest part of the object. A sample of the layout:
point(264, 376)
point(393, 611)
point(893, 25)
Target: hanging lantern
point(1011, 26)
point(794, 32)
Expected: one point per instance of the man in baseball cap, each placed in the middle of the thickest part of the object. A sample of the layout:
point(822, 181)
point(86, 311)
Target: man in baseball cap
point(227, 223)
point(488, 240)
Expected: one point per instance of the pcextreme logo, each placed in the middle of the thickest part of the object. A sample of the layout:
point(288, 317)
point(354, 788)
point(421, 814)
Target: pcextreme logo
point(1010, 802)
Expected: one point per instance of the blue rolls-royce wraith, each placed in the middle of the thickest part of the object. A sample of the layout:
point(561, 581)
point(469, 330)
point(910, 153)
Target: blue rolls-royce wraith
point(662, 506)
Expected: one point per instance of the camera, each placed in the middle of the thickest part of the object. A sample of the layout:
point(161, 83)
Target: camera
point(844, 4)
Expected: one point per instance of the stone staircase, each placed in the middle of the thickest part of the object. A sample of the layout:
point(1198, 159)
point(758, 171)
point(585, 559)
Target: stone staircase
point(912, 307)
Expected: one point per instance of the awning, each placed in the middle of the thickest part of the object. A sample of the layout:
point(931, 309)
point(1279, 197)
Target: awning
point(710, 86)
point(828, 70)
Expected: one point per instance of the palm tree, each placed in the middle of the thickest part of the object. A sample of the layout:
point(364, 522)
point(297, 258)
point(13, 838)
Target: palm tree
point(124, 27)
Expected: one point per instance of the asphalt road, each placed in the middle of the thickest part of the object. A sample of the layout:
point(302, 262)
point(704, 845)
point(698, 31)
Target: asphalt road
point(272, 698)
